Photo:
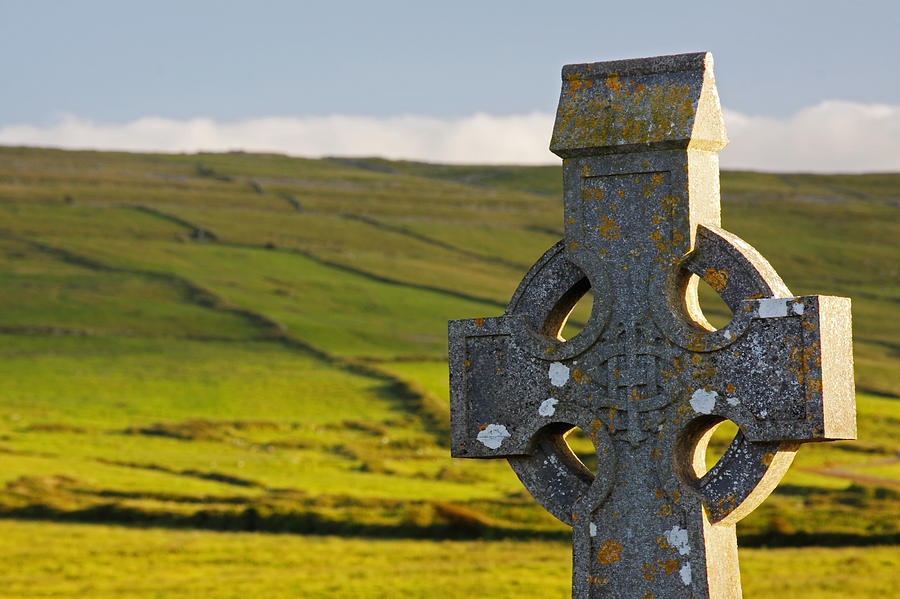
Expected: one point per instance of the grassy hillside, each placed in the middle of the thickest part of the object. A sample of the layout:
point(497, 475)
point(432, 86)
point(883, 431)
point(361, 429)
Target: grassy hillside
point(234, 342)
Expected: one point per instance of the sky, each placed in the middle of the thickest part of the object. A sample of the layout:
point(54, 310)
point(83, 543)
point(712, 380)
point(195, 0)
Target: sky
point(806, 86)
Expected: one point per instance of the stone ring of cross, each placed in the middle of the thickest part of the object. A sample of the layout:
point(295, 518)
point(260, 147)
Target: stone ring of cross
point(549, 293)
point(648, 378)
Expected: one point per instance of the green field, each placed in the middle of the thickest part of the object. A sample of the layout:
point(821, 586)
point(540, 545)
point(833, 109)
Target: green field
point(230, 369)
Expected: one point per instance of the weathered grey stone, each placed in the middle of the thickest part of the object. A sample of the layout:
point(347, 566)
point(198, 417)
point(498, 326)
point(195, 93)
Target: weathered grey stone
point(648, 378)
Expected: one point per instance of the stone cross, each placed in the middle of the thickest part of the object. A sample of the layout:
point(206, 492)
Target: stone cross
point(648, 378)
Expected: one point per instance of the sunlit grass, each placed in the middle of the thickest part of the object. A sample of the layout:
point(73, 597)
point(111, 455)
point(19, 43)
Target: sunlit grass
point(285, 371)
point(39, 560)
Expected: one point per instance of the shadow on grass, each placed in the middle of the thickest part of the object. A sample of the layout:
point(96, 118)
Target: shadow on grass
point(460, 524)
point(253, 519)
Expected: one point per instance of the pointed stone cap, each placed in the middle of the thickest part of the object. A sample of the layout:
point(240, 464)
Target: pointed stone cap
point(659, 103)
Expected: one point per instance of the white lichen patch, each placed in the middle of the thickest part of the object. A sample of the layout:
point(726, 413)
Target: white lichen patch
point(593, 529)
point(797, 308)
point(559, 374)
point(685, 574)
point(677, 537)
point(548, 407)
point(773, 307)
point(733, 401)
point(728, 334)
point(493, 435)
point(703, 401)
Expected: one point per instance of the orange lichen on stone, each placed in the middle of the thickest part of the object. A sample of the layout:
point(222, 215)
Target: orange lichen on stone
point(580, 376)
point(767, 458)
point(667, 250)
point(613, 83)
point(669, 203)
point(648, 571)
point(609, 552)
point(576, 85)
point(666, 372)
point(803, 359)
point(703, 369)
point(726, 504)
point(608, 228)
point(594, 430)
point(636, 395)
point(650, 186)
point(597, 580)
point(598, 119)
point(717, 279)
point(696, 342)
point(668, 566)
point(479, 322)
point(593, 193)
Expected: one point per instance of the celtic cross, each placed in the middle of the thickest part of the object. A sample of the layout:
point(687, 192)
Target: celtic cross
point(648, 378)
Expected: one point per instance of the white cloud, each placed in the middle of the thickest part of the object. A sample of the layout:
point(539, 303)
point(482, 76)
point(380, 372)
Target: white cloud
point(481, 138)
point(829, 137)
point(832, 136)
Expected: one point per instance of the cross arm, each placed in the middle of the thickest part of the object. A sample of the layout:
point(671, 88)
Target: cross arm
point(788, 375)
point(501, 395)
point(481, 379)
